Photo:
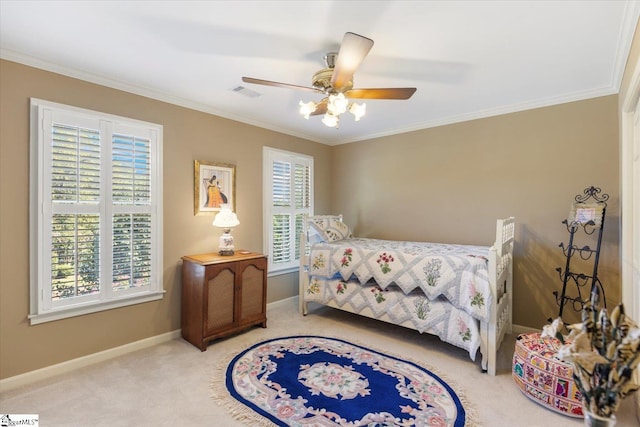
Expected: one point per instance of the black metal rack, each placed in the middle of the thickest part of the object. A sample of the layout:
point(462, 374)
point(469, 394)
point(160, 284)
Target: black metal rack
point(587, 214)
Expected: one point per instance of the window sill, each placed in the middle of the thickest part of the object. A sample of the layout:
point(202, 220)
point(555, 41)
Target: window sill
point(66, 312)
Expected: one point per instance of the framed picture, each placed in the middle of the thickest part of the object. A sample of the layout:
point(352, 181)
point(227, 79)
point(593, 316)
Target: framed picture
point(214, 185)
point(582, 213)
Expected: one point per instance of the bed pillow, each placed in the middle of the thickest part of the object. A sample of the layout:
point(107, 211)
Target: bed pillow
point(331, 230)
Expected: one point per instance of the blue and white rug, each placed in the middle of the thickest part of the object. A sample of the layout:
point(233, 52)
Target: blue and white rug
point(311, 380)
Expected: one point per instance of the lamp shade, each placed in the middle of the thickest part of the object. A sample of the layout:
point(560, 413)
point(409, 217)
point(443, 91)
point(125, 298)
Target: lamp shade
point(307, 108)
point(330, 120)
point(225, 218)
point(337, 104)
point(358, 110)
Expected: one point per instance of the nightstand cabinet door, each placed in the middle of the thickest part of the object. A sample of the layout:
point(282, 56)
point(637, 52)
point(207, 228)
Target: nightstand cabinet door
point(253, 293)
point(221, 291)
point(222, 295)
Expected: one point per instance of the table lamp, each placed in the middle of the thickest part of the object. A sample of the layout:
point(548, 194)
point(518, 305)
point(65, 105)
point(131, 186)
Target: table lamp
point(226, 220)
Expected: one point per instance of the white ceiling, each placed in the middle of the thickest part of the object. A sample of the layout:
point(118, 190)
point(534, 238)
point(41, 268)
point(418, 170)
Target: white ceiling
point(467, 59)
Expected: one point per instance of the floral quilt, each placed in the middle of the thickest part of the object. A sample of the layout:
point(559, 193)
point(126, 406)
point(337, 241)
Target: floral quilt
point(437, 317)
point(459, 273)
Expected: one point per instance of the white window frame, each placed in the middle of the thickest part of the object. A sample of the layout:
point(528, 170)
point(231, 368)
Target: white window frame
point(269, 155)
point(42, 308)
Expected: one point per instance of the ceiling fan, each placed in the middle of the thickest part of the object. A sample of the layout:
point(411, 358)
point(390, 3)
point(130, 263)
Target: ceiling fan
point(336, 83)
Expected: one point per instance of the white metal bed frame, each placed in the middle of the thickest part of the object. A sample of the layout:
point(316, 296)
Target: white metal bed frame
point(500, 261)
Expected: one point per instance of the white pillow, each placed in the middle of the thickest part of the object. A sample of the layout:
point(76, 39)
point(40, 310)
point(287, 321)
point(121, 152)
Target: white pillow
point(330, 230)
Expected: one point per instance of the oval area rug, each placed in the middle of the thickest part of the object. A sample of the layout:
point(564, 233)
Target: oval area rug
point(312, 380)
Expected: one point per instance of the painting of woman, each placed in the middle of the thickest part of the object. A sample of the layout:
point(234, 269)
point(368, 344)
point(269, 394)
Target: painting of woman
point(215, 197)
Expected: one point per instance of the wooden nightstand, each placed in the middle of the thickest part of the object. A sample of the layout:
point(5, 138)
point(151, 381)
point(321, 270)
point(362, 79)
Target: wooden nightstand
point(222, 295)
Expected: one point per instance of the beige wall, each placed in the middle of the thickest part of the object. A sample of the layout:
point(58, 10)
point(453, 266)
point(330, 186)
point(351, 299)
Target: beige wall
point(188, 135)
point(450, 183)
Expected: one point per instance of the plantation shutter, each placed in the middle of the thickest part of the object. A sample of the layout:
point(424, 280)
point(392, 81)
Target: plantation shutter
point(75, 170)
point(73, 198)
point(131, 190)
point(96, 195)
point(302, 185)
point(281, 198)
point(289, 197)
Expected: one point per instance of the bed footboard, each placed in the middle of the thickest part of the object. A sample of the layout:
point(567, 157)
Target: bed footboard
point(501, 280)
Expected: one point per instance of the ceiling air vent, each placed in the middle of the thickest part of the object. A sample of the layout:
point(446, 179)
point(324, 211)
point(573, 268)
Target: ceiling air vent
point(246, 92)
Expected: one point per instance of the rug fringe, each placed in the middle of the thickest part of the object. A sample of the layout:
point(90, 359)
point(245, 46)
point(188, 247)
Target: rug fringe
point(223, 398)
point(244, 414)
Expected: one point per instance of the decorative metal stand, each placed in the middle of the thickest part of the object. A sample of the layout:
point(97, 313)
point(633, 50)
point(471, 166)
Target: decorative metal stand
point(588, 216)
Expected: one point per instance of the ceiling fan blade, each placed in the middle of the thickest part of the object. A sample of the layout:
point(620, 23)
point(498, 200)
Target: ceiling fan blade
point(321, 108)
point(277, 84)
point(353, 50)
point(381, 93)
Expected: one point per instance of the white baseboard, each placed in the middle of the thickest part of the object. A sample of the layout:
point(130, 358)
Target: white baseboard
point(73, 364)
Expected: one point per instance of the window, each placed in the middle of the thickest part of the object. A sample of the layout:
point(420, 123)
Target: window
point(96, 211)
point(288, 195)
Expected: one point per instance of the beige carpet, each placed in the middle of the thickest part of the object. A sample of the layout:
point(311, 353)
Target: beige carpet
point(170, 384)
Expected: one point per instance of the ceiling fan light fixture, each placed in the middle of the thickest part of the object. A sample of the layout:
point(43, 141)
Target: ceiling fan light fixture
point(336, 80)
point(306, 108)
point(358, 110)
